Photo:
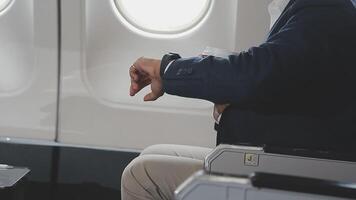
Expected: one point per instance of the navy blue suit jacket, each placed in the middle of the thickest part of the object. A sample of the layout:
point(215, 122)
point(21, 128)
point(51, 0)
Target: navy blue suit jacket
point(297, 89)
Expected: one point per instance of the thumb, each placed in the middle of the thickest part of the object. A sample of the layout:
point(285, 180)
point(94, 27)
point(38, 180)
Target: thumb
point(150, 97)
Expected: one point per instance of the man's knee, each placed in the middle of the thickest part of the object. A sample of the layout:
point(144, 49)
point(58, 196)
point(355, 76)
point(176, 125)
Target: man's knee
point(134, 173)
point(138, 174)
point(134, 180)
point(156, 176)
point(145, 178)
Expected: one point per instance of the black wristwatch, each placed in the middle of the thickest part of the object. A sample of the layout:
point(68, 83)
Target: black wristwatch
point(166, 60)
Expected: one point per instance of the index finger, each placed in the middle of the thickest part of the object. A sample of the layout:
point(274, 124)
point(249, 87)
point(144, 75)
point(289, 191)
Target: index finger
point(133, 72)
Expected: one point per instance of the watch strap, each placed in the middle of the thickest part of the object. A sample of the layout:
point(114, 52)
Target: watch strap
point(167, 58)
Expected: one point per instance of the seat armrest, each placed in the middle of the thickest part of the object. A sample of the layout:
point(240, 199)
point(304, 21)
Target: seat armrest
point(245, 160)
point(230, 159)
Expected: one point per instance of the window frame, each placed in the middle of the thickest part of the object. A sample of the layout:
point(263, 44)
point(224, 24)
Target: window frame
point(4, 5)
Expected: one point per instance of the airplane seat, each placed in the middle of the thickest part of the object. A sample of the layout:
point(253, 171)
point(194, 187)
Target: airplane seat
point(262, 186)
point(232, 172)
point(244, 160)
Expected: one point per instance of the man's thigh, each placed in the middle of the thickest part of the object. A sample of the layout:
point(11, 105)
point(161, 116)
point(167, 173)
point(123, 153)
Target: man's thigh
point(157, 176)
point(186, 151)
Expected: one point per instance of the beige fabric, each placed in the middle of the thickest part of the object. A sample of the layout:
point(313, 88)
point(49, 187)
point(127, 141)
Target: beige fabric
point(159, 170)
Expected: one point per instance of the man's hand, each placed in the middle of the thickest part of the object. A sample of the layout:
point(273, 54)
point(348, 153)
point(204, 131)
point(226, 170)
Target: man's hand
point(146, 72)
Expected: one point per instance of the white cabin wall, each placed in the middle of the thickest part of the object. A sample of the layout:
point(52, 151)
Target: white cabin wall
point(97, 50)
point(28, 69)
point(95, 109)
point(253, 23)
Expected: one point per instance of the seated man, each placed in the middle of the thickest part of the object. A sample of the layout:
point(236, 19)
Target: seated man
point(294, 90)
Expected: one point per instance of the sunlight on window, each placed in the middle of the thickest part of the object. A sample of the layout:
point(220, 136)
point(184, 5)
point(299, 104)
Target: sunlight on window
point(4, 4)
point(163, 16)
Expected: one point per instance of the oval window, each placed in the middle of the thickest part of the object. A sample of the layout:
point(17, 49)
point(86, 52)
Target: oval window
point(4, 4)
point(163, 16)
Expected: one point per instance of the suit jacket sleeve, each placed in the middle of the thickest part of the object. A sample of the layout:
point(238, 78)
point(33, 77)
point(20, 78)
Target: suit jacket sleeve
point(288, 60)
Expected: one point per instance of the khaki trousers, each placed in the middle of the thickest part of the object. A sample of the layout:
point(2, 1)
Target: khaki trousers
point(159, 170)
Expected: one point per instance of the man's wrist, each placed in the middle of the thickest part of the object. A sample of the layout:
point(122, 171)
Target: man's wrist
point(167, 60)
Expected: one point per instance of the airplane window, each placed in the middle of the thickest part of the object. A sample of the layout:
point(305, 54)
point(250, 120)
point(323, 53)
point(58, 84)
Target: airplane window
point(4, 4)
point(163, 16)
